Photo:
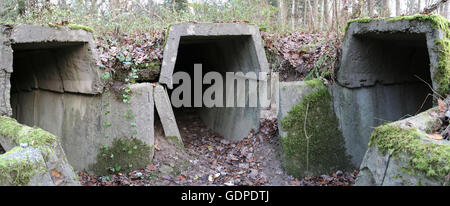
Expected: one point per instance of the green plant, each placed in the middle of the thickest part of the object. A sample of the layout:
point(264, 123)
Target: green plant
point(123, 155)
point(428, 158)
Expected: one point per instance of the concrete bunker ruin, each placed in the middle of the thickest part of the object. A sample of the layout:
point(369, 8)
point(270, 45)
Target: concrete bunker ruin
point(51, 80)
point(221, 48)
point(386, 72)
point(43, 72)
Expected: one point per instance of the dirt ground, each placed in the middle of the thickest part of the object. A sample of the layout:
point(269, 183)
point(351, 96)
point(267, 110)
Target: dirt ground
point(209, 159)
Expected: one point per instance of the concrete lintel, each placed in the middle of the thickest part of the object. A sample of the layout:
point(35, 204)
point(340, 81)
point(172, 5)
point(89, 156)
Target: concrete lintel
point(176, 32)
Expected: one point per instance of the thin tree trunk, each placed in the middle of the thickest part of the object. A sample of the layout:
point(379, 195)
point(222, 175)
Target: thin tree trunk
point(320, 13)
point(315, 8)
point(312, 15)
point(386, 11)
point(370, 6)
point(293, 15)
point(419, 6)
point(305, 12)
point(325, 13)
point(397, 8)
point(283, 12)
point(336, 16)
point(445, 13)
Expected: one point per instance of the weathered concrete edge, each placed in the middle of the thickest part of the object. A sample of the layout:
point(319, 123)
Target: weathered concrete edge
point(401, 26)
point(206, 29)
point(24, 33)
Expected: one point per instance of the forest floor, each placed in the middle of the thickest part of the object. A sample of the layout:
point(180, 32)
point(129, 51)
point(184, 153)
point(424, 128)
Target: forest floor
point(209, 159)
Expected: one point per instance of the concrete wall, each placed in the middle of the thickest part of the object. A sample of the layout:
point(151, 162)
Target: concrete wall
point(50, 79)
point(80, 119)
point(221, 48)
point(377, 82)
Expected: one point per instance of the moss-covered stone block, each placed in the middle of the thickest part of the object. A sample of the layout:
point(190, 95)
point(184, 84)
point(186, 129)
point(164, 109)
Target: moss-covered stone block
point(31, 152)
point(23, 166)
point(313, 118)
point(124, 155)
point(410, 158)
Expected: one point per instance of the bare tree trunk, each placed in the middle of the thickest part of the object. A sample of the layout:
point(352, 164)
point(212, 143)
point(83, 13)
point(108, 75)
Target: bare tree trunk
point(305, 13)
point(419, 6)
point(386, 10)
point(336, 16)
point(283, 12)
point(397, 8)
point(293, 15)
point(314, 13)
point(445, 13)
point(370, 6)
point(325, 13)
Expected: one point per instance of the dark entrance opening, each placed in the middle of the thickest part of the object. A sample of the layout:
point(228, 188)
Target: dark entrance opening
point(220, 54)
point(42, 73)
point(384, 77)
point(398, 65)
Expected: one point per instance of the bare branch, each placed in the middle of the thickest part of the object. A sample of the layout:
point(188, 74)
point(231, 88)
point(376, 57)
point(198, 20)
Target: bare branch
point(433, 7)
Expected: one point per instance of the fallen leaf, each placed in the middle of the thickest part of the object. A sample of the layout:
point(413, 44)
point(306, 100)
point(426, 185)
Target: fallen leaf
point(435, 136)
point(151, 167)
point(55, 173)
point(442, 105)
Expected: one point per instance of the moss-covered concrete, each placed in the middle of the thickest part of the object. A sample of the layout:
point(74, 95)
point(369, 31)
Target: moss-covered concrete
point(325, 152)
point(425, 157)
point(77, 26)
point(124, 155)
point(175, 141)
point(18, 171)
point(42, 151)
point(19, 133)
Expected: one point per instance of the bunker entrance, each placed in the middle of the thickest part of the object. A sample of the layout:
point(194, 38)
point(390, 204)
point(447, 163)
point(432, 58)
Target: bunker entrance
point(219, 54)
point(398, 68)
point(383, 77)
point(42, 73)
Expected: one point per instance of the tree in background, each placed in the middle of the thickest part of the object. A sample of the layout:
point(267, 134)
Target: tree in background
point(280, 15)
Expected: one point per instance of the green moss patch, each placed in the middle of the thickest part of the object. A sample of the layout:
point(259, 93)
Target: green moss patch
point(16, 172)
point(314, 83)
point(19, 133)
point(427, 158)
point(77, 27)
point(124, 155)
point(174, 140)
point(325, 152)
